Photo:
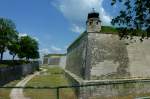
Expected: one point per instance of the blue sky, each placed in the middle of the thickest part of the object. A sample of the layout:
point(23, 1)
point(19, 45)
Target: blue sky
point(54, 23)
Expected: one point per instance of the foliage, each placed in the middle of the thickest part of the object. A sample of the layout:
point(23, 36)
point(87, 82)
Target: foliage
point(14, 48)
point(9, 40)
point(8, 34)
point(28, 48)
point(135, 17)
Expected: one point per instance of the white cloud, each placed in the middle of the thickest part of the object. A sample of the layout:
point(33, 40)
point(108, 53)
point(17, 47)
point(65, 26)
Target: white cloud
point(55, 49)
point(22, 34)
point(37, 39)
point(44, 51)
point(77, 29)
point(76, 11)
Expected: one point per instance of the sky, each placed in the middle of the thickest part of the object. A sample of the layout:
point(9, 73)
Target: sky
point(55, 24)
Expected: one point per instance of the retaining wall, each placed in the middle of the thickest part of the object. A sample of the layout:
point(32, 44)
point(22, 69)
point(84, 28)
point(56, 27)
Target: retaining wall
point(11, 73)
point(110, 89)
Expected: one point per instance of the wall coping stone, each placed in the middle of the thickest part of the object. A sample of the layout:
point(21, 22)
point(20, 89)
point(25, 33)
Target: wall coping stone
point(107, 81)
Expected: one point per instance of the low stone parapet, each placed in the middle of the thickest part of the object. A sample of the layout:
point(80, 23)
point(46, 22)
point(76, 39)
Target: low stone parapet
point(110, 89)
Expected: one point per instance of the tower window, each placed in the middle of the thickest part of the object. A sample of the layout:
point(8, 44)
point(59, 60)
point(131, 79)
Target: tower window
point(97, 23)
point(90, 23)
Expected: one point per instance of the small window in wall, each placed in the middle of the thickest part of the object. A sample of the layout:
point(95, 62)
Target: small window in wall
point(96, 23)
point(90, 23)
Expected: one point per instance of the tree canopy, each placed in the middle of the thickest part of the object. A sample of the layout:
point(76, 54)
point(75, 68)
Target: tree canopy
point(28, 48)
point(8, 34)
point(135, 16)
point(24, 47)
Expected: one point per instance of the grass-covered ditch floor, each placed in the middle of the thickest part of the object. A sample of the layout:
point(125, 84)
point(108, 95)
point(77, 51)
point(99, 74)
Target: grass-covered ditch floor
point(49, 77)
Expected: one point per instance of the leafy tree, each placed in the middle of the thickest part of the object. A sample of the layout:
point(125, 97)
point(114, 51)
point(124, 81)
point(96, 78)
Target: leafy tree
point(135, 17)
point(28, 48)
point(8, 34)
point(14, 48)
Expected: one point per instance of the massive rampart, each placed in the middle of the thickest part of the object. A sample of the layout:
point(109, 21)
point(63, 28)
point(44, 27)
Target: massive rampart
point(97, 56)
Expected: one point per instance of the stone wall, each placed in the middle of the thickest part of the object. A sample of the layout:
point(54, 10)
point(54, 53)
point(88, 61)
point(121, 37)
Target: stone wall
point(55, 61)
point(108, 56)
point(112, 58)
point(139, 57)
point(76, 56)
point(110, 89)
point(11, 73)
point(62, 62)
point(98, 56)
point(116, 90)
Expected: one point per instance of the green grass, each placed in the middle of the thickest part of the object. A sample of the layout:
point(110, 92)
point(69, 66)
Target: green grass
point(54, 55)
point(52, 77)
point(109, 30)
point(113, 30)
point(4, 93)
point(3, 65)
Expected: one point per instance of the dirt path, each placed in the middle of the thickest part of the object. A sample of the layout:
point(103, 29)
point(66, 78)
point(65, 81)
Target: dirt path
point(18, 93)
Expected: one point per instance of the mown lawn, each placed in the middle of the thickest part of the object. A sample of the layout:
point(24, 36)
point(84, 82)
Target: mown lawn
point(50, 77)
point(4, 93)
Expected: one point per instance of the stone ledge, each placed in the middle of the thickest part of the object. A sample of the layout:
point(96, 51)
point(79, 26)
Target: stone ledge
point(75, 77)
point(116, 81)
point(107, 81)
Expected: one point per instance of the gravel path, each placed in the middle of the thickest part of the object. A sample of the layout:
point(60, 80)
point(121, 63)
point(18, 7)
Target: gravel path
point(18, 93)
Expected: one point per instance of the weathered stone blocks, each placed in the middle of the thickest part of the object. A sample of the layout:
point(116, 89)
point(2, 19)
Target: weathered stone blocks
point(97, 56)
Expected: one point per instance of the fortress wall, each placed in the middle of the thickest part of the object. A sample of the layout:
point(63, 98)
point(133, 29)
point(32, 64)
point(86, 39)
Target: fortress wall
point(97, 56)
point(114, 90)
point(108, 56)
point(139, 58)
point(55, 61)
point(76, 57)
point(62, 62)
point(112, 58)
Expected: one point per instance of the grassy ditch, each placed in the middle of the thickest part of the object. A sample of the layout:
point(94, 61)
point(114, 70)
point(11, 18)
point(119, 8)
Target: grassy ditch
point(50, 77)
point(4, 93)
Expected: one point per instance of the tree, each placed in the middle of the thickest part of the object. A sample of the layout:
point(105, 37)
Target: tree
point(28, 48)
point(14, 48)
point(134, 18)
point(8, 34)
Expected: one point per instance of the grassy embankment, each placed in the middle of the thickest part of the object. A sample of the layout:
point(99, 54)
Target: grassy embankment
point(52, 77)
point(4, 93)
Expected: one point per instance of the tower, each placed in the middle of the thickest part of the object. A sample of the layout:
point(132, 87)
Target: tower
point(93, 23)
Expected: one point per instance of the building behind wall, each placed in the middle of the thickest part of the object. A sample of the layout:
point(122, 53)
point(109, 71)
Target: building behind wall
point(55, 60)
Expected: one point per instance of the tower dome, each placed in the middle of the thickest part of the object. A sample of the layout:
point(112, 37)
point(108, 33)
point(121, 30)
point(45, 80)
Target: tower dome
point(93, 23)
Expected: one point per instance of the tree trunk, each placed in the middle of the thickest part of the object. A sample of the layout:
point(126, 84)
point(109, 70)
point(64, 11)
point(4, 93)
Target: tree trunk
point(1, 55)
point(13, 57)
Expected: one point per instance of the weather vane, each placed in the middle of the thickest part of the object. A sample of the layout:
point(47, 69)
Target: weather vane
point(93, 9)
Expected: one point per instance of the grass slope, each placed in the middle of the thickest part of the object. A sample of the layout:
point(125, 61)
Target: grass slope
point(4, 93)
